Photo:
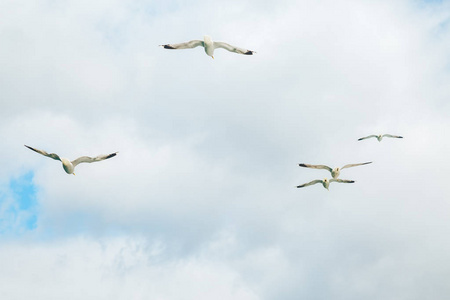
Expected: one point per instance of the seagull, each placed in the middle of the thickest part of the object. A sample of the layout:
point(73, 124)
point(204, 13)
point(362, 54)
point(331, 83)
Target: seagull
point(334, 172)
point(209, 46)
point(69, 166)
point(325, 182)
point(380, 137)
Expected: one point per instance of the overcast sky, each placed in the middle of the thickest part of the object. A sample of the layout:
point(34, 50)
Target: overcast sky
point(200, 202)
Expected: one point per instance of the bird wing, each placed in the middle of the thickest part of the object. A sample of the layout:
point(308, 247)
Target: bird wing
point(355, 165)
point(232, 48)
point(392, 136)
point(316, 167)
point(87, 159)
point(310, 183)
point(342, 180)
point(51, 155)
point(367, 137)
point(187, 45)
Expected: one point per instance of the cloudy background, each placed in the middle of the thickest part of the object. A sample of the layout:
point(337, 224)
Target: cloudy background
point(200, 202)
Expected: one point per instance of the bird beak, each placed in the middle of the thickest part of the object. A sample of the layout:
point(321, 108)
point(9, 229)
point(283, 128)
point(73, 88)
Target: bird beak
point(73, 174)
point(212, 57)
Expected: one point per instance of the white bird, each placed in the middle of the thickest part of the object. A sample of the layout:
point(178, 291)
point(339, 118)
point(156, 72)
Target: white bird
point(325, 182)
point(334, 172)
point(380, 137)
point(69, 166)
point(209, 46)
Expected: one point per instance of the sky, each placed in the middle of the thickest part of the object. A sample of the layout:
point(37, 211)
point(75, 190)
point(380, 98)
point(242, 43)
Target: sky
point(201, 200)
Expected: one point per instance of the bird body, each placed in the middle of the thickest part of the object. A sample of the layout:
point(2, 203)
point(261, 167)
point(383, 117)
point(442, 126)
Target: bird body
point(209, 46)
point(69, 166)
point(325, 182)
point(334, 172)
point(379, 137)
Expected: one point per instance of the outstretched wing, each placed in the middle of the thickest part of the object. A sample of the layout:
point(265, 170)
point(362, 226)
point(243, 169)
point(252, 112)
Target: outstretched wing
point(392, 136)
point(341, 180)
point(367, 137)
point(355, 165)
point(87, 159)
point(187, 45)
point(310, 183)
point(232, 48)
point(51, 155)
point(316, 167)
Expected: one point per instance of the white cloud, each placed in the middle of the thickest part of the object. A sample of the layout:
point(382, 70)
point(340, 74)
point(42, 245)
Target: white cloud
point(112, 268)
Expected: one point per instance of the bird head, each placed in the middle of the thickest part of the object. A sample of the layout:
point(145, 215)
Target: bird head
point(207, 39)
point(326, 183)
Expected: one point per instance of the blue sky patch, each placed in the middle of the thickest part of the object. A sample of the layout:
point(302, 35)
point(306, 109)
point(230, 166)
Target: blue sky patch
point(18, 205)
point(432, 1)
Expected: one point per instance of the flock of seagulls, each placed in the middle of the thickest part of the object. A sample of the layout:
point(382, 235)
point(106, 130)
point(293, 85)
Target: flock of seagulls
point(209, 45)
point(337, 171)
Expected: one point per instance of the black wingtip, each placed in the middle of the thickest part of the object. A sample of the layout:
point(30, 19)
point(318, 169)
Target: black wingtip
point(360, 139)
point(111, 155)
point(249, 52)
point(302, 165)
point(167, 47)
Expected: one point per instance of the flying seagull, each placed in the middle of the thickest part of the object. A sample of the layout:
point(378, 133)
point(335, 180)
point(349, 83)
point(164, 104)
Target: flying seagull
point(380, 137)
point(325, 182)
point(334, 172)
point(69, 166)
point(209, 46)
